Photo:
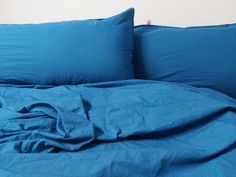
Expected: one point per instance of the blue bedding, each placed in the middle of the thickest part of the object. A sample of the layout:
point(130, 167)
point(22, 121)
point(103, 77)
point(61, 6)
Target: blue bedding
point(116, 129)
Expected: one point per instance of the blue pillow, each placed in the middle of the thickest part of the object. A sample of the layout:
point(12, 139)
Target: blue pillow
point(71, 52)
point(198, 56)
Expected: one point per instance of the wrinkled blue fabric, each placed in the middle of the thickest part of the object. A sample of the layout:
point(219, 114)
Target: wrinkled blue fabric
point(122, 128)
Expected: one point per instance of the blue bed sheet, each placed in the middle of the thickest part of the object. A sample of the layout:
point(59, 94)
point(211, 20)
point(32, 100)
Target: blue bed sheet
point(117, 129)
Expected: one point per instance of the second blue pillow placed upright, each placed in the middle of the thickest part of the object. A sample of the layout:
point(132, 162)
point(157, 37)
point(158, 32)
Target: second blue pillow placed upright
point(198, 56)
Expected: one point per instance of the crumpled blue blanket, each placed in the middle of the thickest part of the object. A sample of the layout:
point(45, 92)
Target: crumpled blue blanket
point(116, 129)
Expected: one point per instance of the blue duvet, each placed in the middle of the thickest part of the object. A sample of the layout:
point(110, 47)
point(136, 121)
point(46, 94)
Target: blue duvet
point(129, 128)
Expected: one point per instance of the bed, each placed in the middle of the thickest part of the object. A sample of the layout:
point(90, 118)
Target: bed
point(56, 124)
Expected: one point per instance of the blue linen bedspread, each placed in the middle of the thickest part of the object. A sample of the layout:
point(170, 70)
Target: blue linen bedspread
point(116, 129)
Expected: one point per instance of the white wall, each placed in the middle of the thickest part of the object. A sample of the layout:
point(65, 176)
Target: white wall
point(164, 12)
